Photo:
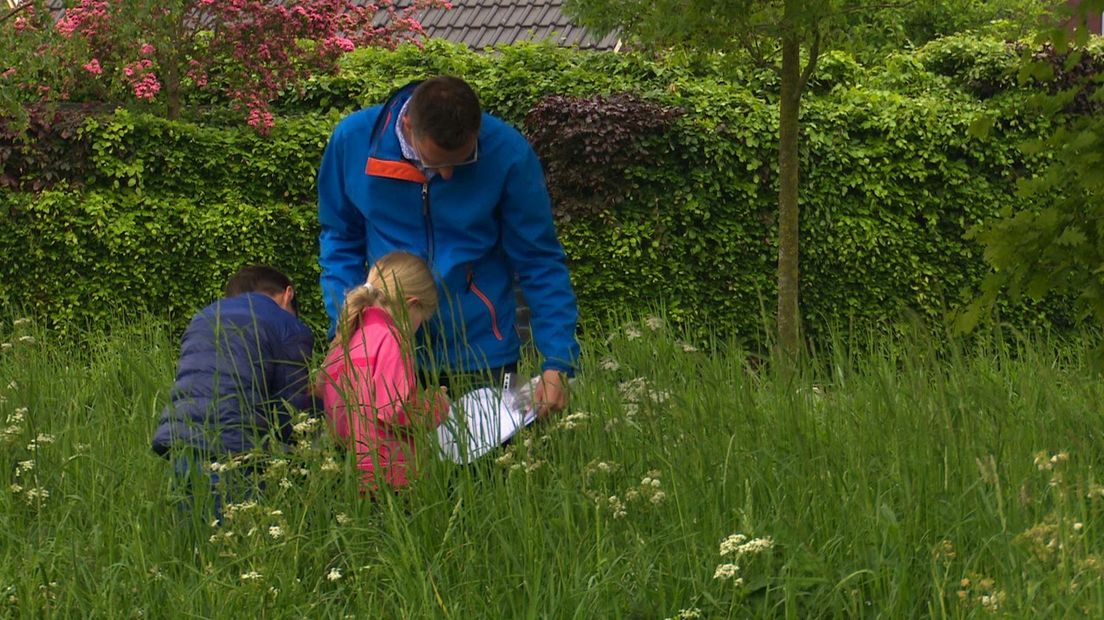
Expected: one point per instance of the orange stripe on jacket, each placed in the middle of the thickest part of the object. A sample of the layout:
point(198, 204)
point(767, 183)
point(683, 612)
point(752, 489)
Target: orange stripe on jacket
point(402, 170)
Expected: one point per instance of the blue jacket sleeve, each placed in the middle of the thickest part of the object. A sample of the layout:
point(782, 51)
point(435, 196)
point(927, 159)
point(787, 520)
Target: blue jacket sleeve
point(342, 242)
point(529, 238)
point(290, 379)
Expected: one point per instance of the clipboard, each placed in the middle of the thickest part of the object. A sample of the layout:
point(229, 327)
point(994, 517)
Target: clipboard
point(484, 419)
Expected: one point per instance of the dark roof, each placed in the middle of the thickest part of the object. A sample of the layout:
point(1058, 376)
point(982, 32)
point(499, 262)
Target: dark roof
point(480, 24)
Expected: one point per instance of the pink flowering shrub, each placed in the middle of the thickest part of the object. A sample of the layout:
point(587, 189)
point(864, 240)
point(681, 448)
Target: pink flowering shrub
point(248, 51)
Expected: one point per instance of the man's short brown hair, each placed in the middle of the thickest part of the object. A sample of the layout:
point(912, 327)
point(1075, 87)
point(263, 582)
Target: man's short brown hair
point(446, 110)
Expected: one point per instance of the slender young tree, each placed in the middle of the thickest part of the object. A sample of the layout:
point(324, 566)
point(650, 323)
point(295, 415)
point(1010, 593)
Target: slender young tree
point(795, 31)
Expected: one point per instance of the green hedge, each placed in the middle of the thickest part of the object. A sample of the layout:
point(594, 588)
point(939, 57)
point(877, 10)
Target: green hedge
point(892, 177)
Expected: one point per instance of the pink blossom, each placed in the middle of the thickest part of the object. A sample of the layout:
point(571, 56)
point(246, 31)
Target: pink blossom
point(7, 74)
point(148, 50)
point(261, 119)
point(93, 67)
point(20, 24)
point(147, 87)
point(341, 43)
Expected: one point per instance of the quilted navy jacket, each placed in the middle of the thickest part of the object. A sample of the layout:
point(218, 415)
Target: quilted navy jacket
point(242, 373)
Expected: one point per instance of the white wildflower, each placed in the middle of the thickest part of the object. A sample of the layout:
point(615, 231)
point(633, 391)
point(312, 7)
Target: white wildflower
point(726, 571)
point(1043, 462)
point(36, 494)
point(329, 464)
point(20, 322)
point(251, 576)
point(658, 497)
point(285, 483)
point(732, 543)
point(686, 614)
point(343, 519)
point(992, 602)
point(632, 333)
point(276, 513)
point(604, 467)
point(506, 459)
point(275, 531)
point(738, 545)
point(610, 364)
point(27, 339)
point(306, 426)
point(5, 346)
point(334, 574)
point(653, 323)
point(15, 488)
point(1077, 527)
point(24, 466)
point(686, 347)
point(13, 386)
point(616, 507)
point(215, 466)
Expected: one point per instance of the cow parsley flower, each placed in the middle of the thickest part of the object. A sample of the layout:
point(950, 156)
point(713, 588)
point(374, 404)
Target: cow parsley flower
point(334, 574)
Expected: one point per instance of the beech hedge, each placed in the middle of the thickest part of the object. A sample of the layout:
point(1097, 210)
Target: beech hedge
point(663, 170)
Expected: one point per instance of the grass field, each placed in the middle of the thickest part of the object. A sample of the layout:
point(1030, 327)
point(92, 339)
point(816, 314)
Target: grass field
point(903, 480)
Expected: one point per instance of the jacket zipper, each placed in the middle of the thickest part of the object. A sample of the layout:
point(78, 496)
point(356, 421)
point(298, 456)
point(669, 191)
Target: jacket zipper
point(428, 216)
point(486, 302)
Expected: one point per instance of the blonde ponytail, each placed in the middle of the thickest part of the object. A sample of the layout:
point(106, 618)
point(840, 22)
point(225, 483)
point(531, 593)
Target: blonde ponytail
point(391, 280)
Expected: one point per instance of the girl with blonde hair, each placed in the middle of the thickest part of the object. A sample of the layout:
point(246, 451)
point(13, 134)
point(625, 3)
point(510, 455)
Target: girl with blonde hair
point(368, 387)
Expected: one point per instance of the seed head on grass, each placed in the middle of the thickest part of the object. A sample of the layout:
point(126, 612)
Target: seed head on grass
point(609, 364)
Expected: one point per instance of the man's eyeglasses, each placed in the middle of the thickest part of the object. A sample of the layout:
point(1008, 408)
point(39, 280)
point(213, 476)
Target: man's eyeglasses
point(470, 159)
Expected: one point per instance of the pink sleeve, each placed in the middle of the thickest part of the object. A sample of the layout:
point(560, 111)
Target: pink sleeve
point(393, 383)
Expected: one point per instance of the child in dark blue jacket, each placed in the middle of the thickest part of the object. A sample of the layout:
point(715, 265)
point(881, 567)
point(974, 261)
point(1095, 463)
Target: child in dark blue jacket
point(242, 375)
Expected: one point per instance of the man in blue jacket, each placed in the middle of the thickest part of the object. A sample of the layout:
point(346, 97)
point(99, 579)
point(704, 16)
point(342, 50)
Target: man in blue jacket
point(429, 173)
point(242, 374)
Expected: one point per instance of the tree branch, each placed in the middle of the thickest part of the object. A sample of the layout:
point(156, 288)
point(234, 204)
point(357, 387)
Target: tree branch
point(16, 9)
point(810, 66)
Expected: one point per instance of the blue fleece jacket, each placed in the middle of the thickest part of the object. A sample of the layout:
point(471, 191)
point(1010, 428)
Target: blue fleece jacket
point(490, 221)
point(242, 373)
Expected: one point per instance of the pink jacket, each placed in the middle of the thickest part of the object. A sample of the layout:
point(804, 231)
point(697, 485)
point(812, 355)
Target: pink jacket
point(371, 399)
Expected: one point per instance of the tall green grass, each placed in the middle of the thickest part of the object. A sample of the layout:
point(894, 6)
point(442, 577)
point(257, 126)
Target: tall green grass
point(889, 480)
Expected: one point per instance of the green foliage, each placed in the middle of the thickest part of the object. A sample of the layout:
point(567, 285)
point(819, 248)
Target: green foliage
point(1054, 241)
point(81, 257)
point(883, 476)
point(683, 213)
point(912, 24)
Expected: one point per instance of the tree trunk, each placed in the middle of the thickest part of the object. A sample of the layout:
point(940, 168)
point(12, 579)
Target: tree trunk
point(789, 319)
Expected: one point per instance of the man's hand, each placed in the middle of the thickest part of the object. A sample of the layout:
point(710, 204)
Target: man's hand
point(551, 393)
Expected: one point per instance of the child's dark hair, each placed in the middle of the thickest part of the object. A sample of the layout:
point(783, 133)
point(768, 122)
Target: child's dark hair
point(257, 279)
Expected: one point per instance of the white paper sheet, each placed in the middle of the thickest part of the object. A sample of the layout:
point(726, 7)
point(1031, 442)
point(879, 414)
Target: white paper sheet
point(484, 419)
